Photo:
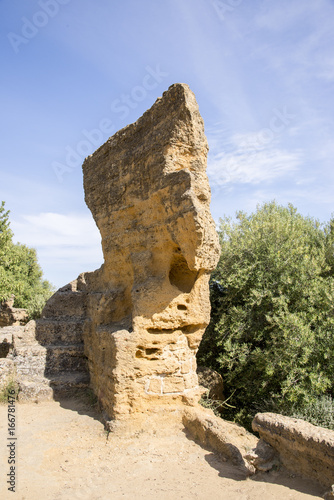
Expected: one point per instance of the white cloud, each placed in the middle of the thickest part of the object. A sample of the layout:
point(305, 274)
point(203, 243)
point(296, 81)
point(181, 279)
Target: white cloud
point(54, 229)
point(66, 244)
point(247, 159)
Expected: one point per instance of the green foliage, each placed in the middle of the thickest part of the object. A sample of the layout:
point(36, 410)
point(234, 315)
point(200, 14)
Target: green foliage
point(11, 389)
point(329, 232)
point(271, 334)
point(5, 244)
point(211, 404)
point(216, 405)
point(20, 273)
point(320, 412)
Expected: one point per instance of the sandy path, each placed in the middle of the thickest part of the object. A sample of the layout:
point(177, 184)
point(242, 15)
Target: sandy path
point(63, 453)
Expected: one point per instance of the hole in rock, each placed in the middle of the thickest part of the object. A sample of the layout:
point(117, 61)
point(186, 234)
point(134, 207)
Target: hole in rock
point(151, 351)
point(181, 307)
point(191, 328)
point(180, 275)
point(160, 330)
point(202, 197)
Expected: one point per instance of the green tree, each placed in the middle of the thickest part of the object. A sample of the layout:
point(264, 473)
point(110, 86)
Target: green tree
point(329, 231)
point(20, 273)
point(5, 245)
point(271, 334)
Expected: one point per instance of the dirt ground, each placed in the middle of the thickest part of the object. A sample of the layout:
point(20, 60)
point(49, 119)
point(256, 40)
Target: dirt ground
point(63, 452)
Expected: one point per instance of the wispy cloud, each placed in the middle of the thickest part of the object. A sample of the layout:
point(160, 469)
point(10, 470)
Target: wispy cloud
point(65, 244)
point(310, 54)
point(49, 229)
point(244, 159)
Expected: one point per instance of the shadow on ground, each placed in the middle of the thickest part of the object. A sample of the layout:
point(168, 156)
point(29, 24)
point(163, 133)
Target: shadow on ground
point(278, 475)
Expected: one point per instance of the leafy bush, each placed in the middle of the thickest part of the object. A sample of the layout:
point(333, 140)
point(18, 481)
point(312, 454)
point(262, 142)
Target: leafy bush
point(271, 334)
point(318, 412)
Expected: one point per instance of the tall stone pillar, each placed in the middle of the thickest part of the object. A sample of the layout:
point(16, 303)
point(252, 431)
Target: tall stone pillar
point(148, 305)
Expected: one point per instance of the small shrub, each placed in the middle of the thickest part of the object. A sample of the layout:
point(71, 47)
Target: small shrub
point(7, 390)
point(318, 412)
point(215, 405)
point(37, 304)
point(211, 404)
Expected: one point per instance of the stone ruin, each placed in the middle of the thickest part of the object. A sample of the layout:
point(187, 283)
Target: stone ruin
point(148, 306)
point(133, 327)
point(10, 315)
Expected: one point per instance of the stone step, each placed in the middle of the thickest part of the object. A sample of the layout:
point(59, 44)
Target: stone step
point(41, 388)
point(65, 304)
point(57, 331)
point(69, 383)
point(30, 360)
point(65, 358)
point(34, 389)
point(37, 360)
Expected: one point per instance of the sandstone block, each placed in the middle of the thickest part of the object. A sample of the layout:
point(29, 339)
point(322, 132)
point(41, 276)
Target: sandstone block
point(7, 371)
point(303, 447)
point(155, 385)
point(173, 385)
point(230, 440)
point(186, 367)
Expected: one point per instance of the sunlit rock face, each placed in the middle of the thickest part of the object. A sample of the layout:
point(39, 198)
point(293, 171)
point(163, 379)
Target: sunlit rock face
point(147, 307)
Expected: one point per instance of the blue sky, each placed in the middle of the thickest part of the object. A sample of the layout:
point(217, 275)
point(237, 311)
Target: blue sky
point(74, 72)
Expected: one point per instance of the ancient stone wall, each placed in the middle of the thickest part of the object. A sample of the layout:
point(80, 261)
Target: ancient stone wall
point(46, 357)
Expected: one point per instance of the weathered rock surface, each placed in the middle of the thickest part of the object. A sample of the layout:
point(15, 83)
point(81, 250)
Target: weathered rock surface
point(303, 447)
point(148, 305)
point(59, 333)
point(7, 372)
point(212, 381)
point(10, 315)
point(232, 441)
point(6, 340)
point(46, 357)
point(7, 366)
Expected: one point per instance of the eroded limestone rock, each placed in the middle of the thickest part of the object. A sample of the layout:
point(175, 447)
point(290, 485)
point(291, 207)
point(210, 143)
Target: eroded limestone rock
point(230, 440)
point(148, 305)
point(10, 315)
point(303, 448)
